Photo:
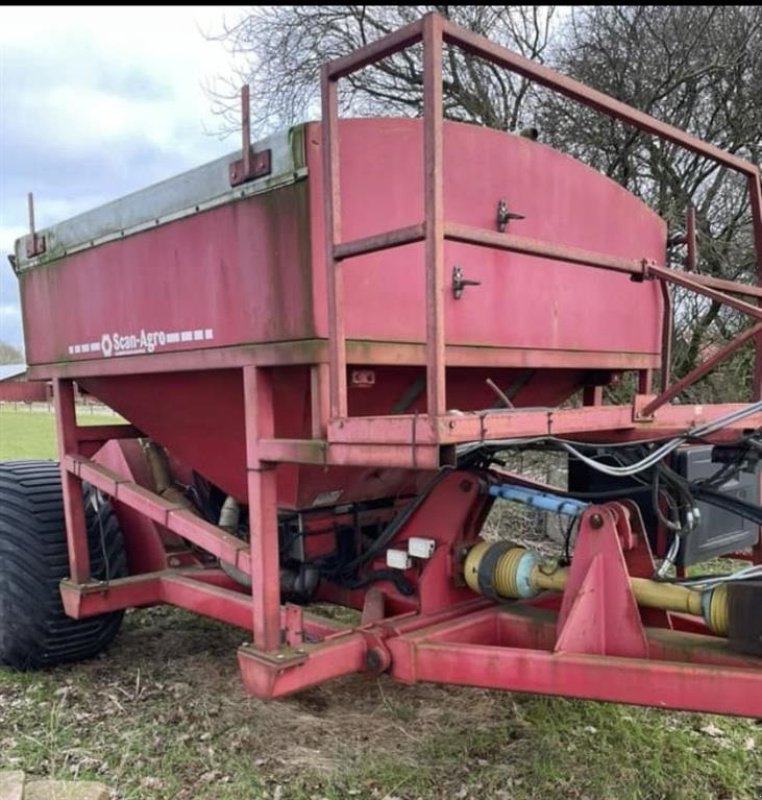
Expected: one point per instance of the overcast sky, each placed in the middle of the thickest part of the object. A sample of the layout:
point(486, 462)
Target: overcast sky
point(95, 103)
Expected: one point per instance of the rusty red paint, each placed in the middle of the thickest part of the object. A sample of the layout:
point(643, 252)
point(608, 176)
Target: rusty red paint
point(537, 73)
point(263, 509)
point(599, 614)
point(754, 183)
point(433, 204)
point(296, 287)
point(332, 234)
point(147, 543)
point(74, 513)
point(702, 369)
point(253, 164)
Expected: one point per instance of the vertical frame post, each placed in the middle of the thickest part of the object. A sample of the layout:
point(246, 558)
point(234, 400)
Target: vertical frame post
point(645, 381)
point(337, 354)
point(263, 519)
point(433, 198)
point(755, 197)
point(246, 129)
point(666, 337)
point(74, 511)
point(320, 403)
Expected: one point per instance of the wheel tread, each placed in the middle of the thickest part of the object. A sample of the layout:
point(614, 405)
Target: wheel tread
point(34, 630)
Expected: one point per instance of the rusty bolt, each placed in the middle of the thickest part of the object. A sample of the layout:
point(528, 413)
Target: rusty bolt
point(596, 521)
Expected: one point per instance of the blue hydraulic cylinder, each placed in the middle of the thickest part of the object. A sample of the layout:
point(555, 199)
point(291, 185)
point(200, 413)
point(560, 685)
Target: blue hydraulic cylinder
point(537, 499)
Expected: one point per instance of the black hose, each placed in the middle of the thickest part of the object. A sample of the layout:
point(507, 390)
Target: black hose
point(402, 584)
point(729, 503)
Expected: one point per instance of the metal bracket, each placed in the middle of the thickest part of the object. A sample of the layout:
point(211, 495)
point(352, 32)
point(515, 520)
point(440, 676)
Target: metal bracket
point(252, 165)
point(645, 274)
point(639, 403)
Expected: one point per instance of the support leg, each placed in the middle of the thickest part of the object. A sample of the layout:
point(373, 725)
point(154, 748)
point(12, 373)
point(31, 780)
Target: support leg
point(74, 513)
point(599, 614)
point(263, 522)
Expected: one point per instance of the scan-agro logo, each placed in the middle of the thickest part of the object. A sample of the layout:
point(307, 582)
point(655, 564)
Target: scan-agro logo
point(139, 343)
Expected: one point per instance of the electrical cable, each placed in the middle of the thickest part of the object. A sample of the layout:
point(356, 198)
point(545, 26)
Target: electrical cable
point(751, 572)
point(667, 447)
point(345, 574)
point(567, 541)
point(96, 501)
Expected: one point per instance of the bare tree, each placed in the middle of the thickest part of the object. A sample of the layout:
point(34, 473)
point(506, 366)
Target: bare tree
point(10, 354)
point(699, 68)
point(283, 47)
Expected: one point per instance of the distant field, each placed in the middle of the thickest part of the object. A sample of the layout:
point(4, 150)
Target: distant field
point(29, 432)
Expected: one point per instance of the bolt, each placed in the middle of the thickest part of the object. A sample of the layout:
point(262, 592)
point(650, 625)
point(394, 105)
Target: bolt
point(465, 486)
point(280, 656)
point(174, 561)
point(377, 660)
point(596, 521)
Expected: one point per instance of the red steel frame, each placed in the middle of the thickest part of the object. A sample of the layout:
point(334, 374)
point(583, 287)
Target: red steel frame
point(434, 31)
point(571, 645)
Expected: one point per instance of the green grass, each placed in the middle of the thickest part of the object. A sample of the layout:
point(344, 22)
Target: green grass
point(163, 716)
point(29, 432)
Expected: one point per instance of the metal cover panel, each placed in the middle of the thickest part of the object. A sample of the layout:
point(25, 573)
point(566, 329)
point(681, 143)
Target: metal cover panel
point(196, 190)
point(745, 617)
point(719, 531)
point(253, 271)
point(522, 301)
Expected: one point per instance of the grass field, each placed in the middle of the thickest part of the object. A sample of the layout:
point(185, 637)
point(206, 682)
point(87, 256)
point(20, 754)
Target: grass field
point(163, 715)
point(29, 431)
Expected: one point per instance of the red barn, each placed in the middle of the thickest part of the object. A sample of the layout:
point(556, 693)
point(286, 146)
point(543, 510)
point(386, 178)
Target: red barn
point(15, 386)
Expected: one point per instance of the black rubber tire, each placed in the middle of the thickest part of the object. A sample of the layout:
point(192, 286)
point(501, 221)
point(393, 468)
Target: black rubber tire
point(34, 630)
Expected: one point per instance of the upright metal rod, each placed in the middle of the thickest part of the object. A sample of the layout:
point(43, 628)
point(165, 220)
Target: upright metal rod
point(30, 208)
point(755, 196)
point(434, 214)
point(666, 336)
point(246, 129)
point(478, 45)
point(702, 369)
point(337, 353)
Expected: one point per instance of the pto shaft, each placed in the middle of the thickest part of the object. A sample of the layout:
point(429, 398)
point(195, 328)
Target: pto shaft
point(503, 570)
